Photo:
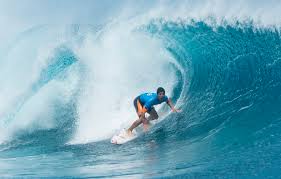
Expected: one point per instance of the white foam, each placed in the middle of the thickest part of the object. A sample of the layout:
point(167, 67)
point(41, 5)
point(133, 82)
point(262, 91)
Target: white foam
point(19, 71)
point(122, 64)
point(261, 13)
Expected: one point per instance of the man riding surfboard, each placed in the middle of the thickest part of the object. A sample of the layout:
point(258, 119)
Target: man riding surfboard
point(144, 104)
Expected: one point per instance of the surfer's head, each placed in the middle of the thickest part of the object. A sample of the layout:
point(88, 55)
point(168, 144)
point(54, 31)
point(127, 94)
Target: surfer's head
point(160, 93)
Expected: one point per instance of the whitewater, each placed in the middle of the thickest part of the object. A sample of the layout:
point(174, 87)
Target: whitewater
point(67, 86)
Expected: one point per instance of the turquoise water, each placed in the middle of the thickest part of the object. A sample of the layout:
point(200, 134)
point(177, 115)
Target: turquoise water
point(226, 79)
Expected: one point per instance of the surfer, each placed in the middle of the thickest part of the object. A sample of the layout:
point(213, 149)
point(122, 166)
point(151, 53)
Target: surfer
point(144, 104)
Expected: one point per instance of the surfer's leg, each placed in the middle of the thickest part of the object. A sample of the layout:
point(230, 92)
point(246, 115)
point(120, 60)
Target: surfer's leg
point(145, 124)
point(137, 123)
point(143, 120)
point(152, 115)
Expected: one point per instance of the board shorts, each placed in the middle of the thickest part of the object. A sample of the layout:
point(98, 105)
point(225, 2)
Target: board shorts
point(139, 106)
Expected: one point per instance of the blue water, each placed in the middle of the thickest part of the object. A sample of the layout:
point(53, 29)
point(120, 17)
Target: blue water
point(227, 82)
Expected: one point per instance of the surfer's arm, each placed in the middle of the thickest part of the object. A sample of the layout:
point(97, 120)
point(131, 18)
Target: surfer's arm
point(169, 102)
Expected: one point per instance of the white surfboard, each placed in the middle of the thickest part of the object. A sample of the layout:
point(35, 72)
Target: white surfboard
point(122, 137)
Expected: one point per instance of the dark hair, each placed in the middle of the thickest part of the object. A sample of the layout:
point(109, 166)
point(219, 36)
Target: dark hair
point(160, 89)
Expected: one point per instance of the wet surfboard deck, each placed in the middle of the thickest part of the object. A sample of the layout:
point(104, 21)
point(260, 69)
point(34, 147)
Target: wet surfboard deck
point(122, 137)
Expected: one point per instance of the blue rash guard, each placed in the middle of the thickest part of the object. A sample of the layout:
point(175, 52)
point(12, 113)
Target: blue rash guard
point(150, 99)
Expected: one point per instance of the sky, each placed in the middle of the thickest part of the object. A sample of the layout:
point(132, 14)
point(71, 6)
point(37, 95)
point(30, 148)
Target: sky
point(17, 16)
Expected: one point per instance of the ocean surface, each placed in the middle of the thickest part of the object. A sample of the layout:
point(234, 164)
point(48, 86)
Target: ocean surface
point(67, 89)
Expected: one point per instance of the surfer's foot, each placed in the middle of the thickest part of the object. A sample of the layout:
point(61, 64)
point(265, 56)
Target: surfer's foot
point(129, 132)
point(145, 127)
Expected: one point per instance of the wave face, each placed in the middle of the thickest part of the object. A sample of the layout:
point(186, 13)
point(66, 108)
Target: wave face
point(68, 89)
point(231, 107)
